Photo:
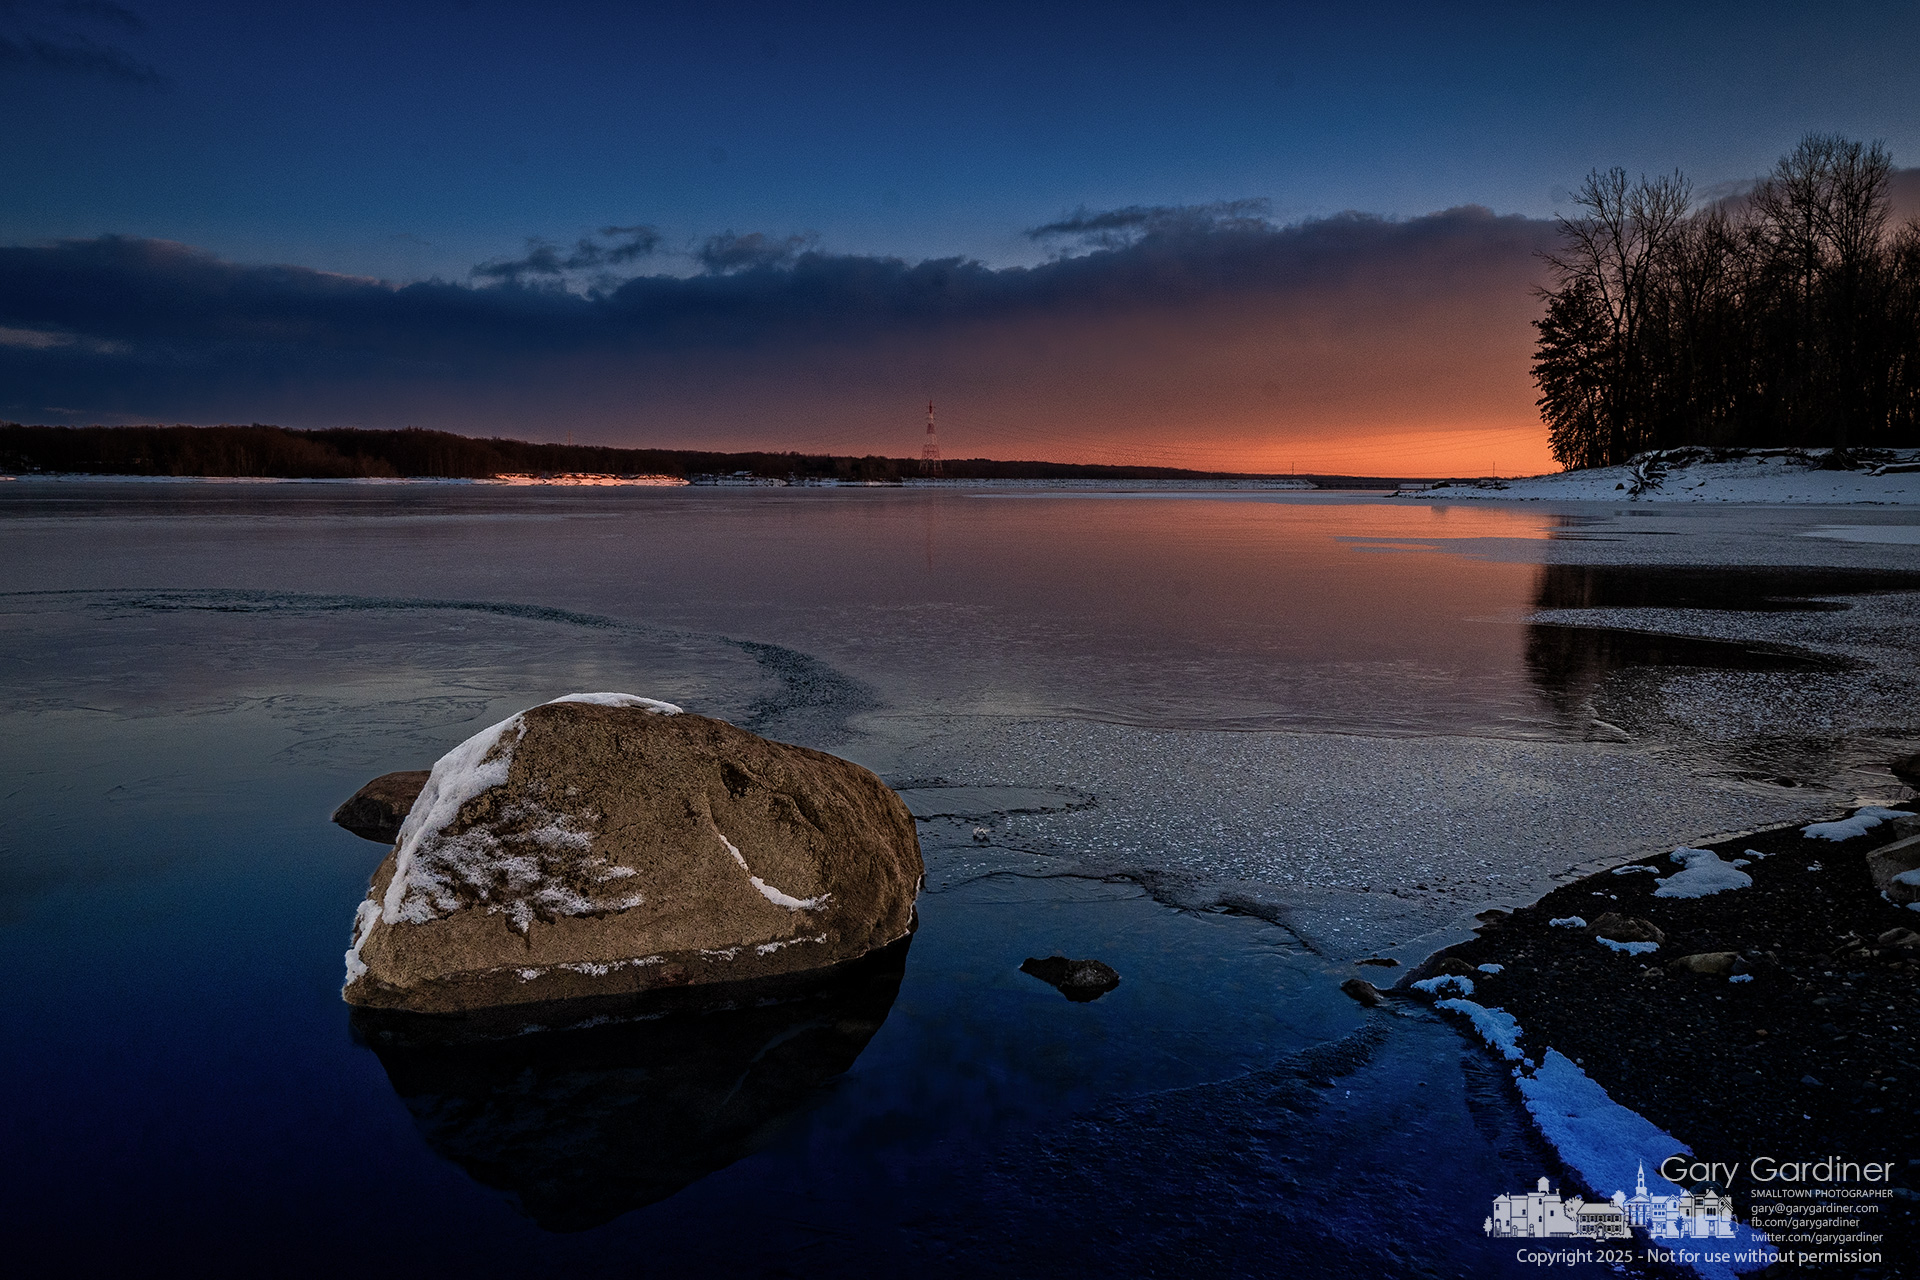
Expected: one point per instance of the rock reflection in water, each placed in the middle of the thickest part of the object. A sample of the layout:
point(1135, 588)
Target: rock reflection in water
point(586, 1124)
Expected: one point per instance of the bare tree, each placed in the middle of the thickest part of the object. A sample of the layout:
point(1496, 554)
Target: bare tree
point(1611, 254)
point(1792, 317)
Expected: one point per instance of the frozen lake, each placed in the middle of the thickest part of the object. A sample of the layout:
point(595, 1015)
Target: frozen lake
point(1227, 743)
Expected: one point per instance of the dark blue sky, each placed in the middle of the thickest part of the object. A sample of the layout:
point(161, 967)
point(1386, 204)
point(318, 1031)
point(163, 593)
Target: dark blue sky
point(406, 140)
point(777, 156)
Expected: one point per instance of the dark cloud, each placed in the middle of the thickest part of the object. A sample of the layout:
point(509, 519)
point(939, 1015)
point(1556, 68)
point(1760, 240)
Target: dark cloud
point(1216, 319)
point(73, 55)
point(1113, 228)
point(730, 251)
point(34, 37)
point(544, 260)
point(634, 242)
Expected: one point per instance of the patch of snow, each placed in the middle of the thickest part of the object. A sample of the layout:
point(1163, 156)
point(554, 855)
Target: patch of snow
point(1702, 873)
point(1500, 1029)
point(1862, 821)
point(363, 919)
point(1909, 878)
point(1491, 968)
point(621, 700)
point(1568, 922)
point(767, 891)
point(1628, 871)
point(768, 948)
point(1719, 475)
point(476, 765)
point(1606, 1145)
point(1434, 986)
point(1741, 977)
point(435, 875)
point(558, 835)
point(1630, 948)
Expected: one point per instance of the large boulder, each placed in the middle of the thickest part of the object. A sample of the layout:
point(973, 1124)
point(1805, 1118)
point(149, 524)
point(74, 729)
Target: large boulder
point(606, 844)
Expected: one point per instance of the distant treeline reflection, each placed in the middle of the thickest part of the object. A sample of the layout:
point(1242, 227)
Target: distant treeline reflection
point(268, 451)
point(1788, 316)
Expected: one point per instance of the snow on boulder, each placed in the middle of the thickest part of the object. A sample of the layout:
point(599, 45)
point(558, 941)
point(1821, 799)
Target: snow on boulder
point(605, 843)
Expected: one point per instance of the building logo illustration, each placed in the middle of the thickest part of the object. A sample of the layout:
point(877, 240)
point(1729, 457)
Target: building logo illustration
point(1541, 1214)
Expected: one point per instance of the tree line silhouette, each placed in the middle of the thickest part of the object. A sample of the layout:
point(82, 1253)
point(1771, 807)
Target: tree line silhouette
point(1789, 316)
point(259, 450)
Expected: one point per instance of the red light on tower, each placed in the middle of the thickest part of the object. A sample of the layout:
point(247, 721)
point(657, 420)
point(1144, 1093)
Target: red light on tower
point(930, 452)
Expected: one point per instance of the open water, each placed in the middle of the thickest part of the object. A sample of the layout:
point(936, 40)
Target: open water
point(1227, 744)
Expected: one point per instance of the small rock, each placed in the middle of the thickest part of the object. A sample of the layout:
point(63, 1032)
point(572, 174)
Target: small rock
point(1811, 1081)
point(1077, 980)
point(1451, 965)
point(1904, 939)
point(1907, 769)
point(1363, 991)
point(375, 811)
point(1626, 928)
point(1385, 962)
point(1713, 964)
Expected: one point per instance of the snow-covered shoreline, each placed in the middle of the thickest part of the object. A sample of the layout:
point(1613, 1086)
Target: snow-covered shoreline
point(1765, 476)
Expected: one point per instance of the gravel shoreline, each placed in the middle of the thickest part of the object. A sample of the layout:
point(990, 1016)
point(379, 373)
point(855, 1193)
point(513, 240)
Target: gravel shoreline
point(1809, 1048)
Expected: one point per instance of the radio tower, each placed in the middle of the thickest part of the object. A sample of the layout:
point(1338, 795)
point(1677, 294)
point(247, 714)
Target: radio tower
point(930, 451)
